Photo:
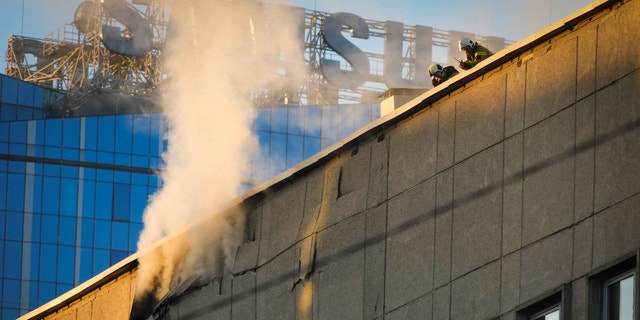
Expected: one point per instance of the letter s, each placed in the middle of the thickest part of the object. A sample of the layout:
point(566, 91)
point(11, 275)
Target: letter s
point(141, 40)
point(331, 30)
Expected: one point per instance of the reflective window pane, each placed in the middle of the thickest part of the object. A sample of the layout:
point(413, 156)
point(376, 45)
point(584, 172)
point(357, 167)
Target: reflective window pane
point(100, 260)
point(548, 315)
point(123, 138)
point(14, 226)
point(51, 195)
point(67, 231)
point(139, 200)
point(71, 133)
point(49, 229)
point(279, 118)
point(88, 198)
point(120, 236)
point(15, 192)
point(619, 298)
point(10, 297)
point(102, 232)
point(91, 133)
point(68, 197)
point(13, 254)
point(53, 133)
point(86, 264)
point(121, 201)
point(48, 259)
point(117, 256)
point(141, 135)
point(311, 146)
point(104, 200)
point(86, 233)
point(66, 264)
point(47, 292)
point(9, 90)
point(106, 133)
point(294, 150)
point(18, 132)
point(25, 94)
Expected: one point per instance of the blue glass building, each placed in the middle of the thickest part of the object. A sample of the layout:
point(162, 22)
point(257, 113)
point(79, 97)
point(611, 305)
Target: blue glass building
point(73, 190)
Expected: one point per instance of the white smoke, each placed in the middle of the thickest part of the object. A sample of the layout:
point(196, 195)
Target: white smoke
point(214, 57)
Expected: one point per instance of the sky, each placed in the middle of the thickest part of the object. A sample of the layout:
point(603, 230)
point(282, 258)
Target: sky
point(510, 19)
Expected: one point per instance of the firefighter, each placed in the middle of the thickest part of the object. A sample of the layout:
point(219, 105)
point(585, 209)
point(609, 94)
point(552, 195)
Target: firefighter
point(439, 74)
point(474, 53)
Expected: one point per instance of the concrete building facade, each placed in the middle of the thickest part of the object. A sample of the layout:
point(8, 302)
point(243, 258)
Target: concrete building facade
point(510, 192)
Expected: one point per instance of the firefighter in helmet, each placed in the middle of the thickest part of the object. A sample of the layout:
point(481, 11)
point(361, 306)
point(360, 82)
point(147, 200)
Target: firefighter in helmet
point(474, 53)
point(438, 74)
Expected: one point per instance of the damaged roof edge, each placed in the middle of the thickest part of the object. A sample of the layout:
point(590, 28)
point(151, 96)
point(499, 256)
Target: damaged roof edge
point(374, 128)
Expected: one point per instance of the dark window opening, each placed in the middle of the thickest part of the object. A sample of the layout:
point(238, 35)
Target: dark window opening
point(553, 306)
point(612, 292)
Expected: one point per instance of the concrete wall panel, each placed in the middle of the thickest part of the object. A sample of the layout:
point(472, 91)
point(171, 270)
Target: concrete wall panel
point(446, 132)
point(379, 172)
point(586, 71)
point(544, 265)
point(551, 80)
point(410, 247)
point(479, 117)
point(579, 299)
point(443, 232)
point(375, 260)
point(512, 194)
point(476, 296)
point(477, 212)
point(510, 280)
point(514, 104)
point(412, 152)
point(339, 278)
point(442, 303)
point(548, 186)
point(274, 299)
point(615, 231)
point(617, 134)
point(618, 40)
point(415, 310)
point(243, 291)
point(353, 185)
point(312, 203)
point(281, 218)
point(585, 157)
point(582, 247)
point(206, 302)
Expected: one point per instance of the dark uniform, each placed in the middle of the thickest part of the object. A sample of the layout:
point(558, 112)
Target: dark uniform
point(475, 54)
point(443, 75)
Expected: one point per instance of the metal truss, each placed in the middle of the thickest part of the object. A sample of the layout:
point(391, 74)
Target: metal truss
point(73, 60)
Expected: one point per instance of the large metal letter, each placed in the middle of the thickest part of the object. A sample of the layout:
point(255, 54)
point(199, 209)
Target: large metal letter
point(393, 58)
point(332, 32)
point(138, 39)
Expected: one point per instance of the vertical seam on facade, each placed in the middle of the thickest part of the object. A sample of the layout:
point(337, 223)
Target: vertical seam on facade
point(575, 157)
point(504, 133)
point(386, 228)
point(594, 143)
point(452, 206)
point(435, 217)
point(524, 107)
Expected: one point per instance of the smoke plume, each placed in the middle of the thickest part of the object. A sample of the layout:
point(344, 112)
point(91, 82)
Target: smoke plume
point(216, 53)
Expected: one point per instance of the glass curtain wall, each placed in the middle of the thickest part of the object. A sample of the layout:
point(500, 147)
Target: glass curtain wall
point(73, 190)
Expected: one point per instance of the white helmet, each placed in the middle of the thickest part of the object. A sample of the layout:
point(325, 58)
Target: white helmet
point(433, 68)
point(465, 42)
